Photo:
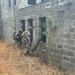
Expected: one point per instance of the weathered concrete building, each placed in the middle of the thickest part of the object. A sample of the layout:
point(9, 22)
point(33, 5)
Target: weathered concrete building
point(1, 25)
point(19, 14)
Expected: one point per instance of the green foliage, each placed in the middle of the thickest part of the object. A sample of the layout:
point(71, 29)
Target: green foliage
point(47, 25)
point(44, 32)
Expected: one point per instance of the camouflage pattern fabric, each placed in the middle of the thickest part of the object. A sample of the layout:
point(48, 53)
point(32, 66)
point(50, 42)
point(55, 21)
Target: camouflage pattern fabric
point(17, 38)
point(25, 39)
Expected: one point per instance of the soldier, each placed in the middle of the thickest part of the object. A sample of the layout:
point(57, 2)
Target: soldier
point(25, 39)
point(14, 38)
point(30, 28)
point(20, 36)
point(17, 37)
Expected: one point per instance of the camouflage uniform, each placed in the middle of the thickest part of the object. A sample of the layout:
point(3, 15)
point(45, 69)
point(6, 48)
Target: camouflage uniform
point(17, 37)
point(26, 39)
point(14, 38)
point(20, 36)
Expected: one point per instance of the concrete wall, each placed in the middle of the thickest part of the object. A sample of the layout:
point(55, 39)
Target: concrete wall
point(1, 25)
point(62, 49)
point(8, 17)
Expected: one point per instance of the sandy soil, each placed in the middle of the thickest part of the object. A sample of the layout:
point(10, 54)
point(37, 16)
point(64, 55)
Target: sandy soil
point(14, 62)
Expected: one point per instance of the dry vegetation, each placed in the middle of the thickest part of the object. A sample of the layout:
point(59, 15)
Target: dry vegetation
point(14, 62)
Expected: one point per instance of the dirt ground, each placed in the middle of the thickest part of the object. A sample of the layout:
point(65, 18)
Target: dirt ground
point(14, 62)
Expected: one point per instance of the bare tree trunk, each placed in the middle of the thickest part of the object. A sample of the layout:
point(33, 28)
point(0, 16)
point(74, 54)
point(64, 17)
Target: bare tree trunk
point(33, 48)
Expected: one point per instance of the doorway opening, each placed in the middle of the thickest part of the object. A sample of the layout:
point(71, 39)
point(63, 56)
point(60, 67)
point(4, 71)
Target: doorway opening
point(42, 28)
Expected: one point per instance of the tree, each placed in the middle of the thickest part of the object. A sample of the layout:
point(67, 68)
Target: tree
point(47, 25)
point(15, 7)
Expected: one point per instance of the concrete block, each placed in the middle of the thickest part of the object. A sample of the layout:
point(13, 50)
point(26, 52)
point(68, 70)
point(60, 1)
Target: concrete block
point(67, 35)
point(69, 53)
point(66, 47)
point(66, 58)
point(59, 56)
point(72, 60)
point(72, 48)
point(72, 30)
point(63, 52)
point(59, 46)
